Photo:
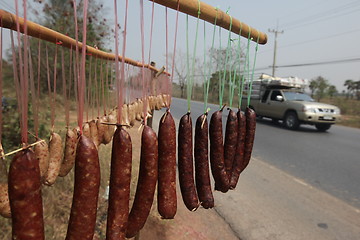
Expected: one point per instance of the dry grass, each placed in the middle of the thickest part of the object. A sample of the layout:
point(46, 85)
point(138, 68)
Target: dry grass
point(350, 110)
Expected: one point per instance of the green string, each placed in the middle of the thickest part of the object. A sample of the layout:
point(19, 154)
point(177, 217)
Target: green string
point(232, 84)
point(239, 58)
point(207, 77)
point(187, 64)
point(222, 81)
point(218, 69)
point(191, 78)
point(205, 73)
point(246, 69)
point(253, 69)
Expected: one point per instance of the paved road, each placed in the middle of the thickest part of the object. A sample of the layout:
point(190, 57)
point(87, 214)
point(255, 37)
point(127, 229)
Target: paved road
point(329, 161)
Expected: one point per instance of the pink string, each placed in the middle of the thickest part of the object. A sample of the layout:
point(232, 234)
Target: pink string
point(39, 72)
point(16, 76)
point(151, 28)
point(23, 98)
point(96, 88)
point(48, 82)
point(102, 85)
point(167, 38)
point(69, 87)
point(143, 60)
point(118, 88)
point(167, 83)
point(107, 85)
point(80, 77)
point(34, 97)
point(174, 52)
point(25, 79)
point(82, 73)
point(64, 87)
point(54, 94)
point(87, 89)
point(122, 79)
point(1, 78)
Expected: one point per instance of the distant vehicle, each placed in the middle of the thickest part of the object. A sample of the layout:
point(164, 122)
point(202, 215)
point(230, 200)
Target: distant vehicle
point(284, 99)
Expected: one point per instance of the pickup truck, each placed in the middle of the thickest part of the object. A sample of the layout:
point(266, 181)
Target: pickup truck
point(294, 107)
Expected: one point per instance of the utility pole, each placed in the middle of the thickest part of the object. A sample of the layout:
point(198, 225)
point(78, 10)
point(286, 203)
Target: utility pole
point(276, 32)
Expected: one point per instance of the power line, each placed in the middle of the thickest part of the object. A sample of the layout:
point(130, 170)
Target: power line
point(329, 12)
point(315, 39)
point(320, 63)
point(324, 19)
point(356, 59)
point(8, 7)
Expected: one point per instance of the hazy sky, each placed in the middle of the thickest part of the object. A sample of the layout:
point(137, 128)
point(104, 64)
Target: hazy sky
point(315, 31)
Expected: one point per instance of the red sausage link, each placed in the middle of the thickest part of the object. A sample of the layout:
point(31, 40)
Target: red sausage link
point(185, 163)
point(119, 192)
point(240, 147)
point(25, 197)
point(146, 185)
point(231, 133)
point(202, 174)
point(167, 201)
point(217, 153)
point(86, 191)
point(250, 135)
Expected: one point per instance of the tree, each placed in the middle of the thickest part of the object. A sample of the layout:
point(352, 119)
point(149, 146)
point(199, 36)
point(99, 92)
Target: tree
point(319, 85)
point(349, 84)
point(181, 74)
point(313, 86)
point(357, 89)
point(58, 15)
point(331, 91)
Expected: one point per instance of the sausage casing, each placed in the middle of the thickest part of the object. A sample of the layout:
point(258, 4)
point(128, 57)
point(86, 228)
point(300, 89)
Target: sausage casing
point(240, 147)
point(55, 159)
point(146, 185)
point(119, 191)
point(86, 191)
point(41, 151)
point(4, 201)
point(94, 132)
point(67, 164)
point(202, 174)
point(250, 135)
point(217, 153)
point(186, 163)
point(231, 139)
point(25, 197)
point(167, 200)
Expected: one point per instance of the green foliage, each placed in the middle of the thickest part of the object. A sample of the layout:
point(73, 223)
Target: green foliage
point(11, 132)
point(332, 91)
point(320, 88)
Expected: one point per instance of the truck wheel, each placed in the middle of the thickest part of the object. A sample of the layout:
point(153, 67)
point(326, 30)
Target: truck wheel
point(322, 127)
point(291, 121)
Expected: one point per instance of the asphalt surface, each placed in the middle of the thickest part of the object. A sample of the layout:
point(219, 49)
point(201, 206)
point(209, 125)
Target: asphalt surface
point(328, 160)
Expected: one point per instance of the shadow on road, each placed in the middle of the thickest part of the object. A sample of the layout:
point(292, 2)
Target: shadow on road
point(280, 125)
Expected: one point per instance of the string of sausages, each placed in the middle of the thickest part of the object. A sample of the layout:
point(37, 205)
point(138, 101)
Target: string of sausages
point(30, 168)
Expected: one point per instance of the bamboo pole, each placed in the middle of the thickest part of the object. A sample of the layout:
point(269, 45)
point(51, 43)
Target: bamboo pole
point(8, 20)
point(210, 13)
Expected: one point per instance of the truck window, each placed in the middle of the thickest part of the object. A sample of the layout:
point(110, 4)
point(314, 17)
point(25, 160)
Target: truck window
point(274, 94)
point(265, 96)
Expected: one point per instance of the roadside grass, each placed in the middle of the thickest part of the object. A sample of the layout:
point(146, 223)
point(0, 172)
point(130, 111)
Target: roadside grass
point(350, 110)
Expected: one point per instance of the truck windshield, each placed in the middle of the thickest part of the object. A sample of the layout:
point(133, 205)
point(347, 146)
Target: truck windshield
point(296, 96)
